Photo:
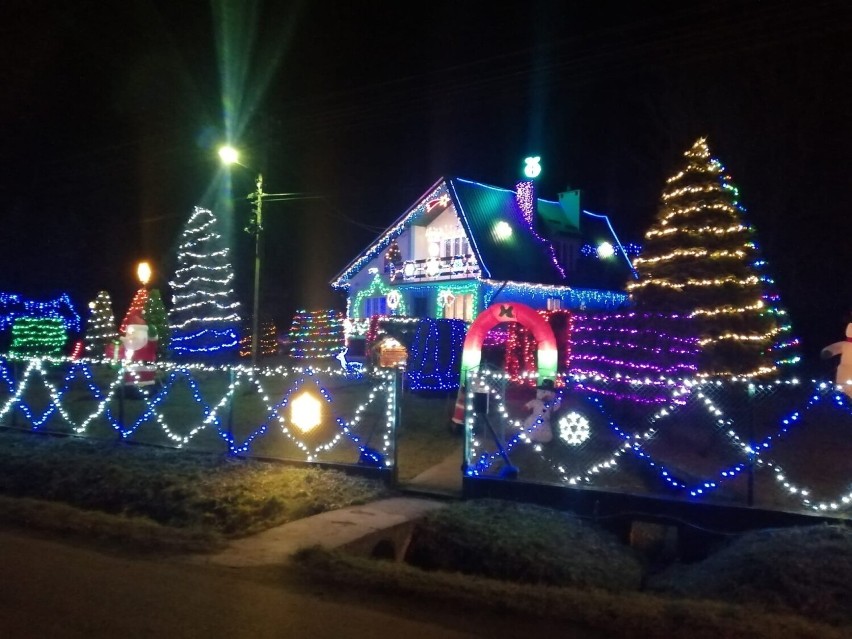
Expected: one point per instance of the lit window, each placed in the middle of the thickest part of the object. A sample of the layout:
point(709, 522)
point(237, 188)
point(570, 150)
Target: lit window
point(459, 307)
point(554, 303)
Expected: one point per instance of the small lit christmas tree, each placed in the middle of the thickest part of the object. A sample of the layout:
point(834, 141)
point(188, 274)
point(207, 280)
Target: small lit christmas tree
point(38, 336)
point(267, 345)
point(137, 306)
point(317, 334)
point(393, 258)
point(157, 317)
point(140, 298)
point(205, 311)
point(701, 259)
point(100, 328)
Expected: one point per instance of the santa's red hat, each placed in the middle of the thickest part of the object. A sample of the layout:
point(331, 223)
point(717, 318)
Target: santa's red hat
point(134, 318)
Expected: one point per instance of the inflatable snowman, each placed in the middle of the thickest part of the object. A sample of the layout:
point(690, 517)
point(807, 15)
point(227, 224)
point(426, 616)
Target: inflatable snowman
point(537, 424)
point(844, 369)
point(138, 350)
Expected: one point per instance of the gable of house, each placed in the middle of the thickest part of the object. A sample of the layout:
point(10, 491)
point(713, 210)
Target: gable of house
point(466, 234)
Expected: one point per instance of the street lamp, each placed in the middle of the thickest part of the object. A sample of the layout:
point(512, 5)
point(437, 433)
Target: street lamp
point(143, 272)
point(229, 155)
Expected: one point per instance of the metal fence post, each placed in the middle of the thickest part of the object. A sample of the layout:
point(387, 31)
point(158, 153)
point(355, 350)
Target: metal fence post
point(17, 378)
point(230, 426)
point(397, 419)
point(121, 391)
point(750, 398)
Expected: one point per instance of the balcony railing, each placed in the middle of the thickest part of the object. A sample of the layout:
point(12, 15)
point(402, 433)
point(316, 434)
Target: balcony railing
point(434, 268)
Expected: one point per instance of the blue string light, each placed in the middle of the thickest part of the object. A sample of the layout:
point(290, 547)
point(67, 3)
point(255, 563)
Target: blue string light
point(433, 361)
point(211, 415)
point(755, 454)
point(13, 306)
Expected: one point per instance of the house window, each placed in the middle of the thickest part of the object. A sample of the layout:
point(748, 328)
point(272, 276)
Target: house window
point(375, 306)
point(455, 246)
point(460, 308)
point(554, 303)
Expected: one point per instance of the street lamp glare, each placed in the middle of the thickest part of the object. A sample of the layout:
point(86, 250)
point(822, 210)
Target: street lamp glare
point(143, 272)
point(229, 155)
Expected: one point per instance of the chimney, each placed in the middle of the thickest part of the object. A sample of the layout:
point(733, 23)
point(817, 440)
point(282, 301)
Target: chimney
point(569, 201)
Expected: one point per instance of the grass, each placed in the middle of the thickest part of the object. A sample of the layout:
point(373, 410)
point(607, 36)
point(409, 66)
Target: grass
point(523, 543)
point(537, 562)
point(806, 569)
point(212, 494)
point(600, 612)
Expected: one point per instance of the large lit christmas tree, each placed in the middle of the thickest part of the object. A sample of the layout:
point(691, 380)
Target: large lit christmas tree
point(100, 328)
point(205, 312)
point(701, 259)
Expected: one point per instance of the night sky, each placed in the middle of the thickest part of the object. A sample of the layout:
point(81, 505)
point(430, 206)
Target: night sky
point(111, 114)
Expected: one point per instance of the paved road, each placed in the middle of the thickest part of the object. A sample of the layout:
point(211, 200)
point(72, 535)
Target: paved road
point(51, 589)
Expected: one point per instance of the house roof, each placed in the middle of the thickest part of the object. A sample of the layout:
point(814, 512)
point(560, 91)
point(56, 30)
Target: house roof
point(523, 256)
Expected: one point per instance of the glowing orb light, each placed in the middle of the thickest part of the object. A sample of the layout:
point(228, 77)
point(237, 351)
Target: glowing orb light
point(605, 250)
point(574, 429)
point(306, 412)
point(502, 230)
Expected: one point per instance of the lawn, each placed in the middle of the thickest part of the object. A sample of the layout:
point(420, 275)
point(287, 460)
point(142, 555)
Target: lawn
point(206, 494)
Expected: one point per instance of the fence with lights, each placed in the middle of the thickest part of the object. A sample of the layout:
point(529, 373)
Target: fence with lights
point(776, 446)
point(335, 415)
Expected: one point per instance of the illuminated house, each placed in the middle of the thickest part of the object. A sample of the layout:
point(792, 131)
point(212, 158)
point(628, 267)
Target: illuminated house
point(464, 245)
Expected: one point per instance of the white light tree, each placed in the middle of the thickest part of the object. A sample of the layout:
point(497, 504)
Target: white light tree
point(100, 327)
point(205, 311)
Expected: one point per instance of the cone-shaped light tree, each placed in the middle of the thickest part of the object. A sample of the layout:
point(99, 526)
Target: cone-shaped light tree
point(100, 327)
point(267, 343)
point(205, 311)
point(156, 316)
point(137, 306)
point(701, 259)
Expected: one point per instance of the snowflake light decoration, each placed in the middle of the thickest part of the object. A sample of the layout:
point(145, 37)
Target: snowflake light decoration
point(574, 429)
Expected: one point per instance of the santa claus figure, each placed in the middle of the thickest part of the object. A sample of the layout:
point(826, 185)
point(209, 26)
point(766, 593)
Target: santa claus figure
point(136, 346)
point(844, 369)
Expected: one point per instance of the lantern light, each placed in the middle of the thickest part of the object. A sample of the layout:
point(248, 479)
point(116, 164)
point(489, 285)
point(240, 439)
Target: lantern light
point(306, 412)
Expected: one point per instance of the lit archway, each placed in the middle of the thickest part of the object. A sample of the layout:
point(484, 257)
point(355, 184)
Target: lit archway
point(547, 355)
